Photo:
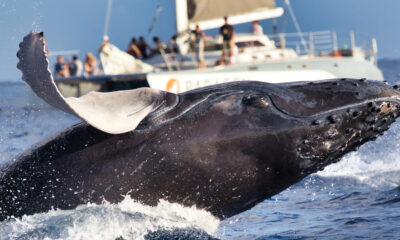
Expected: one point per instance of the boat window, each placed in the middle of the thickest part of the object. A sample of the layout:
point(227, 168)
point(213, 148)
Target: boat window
point(249, 44)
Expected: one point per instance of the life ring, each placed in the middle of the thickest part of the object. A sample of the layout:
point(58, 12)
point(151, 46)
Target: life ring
point(173, 86)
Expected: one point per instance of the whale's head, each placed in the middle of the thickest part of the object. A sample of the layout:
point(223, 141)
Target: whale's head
point(266, 137)
point(314, 123)
point(296, 129)
point(331, 118)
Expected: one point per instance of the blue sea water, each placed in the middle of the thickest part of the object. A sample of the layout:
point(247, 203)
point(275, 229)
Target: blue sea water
point(357, 198)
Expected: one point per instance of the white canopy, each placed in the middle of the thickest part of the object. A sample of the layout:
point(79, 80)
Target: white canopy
point(115, 61)
point(209, 13)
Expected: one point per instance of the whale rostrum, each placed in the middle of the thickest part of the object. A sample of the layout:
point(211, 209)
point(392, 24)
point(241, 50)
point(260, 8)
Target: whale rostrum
point(223, 148)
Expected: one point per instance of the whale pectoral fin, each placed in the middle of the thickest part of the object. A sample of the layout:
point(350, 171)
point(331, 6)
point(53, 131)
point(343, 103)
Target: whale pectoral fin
point(34, 65)
point(114, 112)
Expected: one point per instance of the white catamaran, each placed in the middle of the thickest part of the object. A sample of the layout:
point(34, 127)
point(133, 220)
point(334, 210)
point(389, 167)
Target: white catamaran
point(281, 57)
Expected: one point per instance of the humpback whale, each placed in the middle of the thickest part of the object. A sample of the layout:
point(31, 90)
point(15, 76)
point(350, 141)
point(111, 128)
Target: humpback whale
point(223, 148)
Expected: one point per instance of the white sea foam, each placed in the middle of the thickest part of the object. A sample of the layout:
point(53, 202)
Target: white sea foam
point(376, 173)
point(128, 219)
point(376, 163)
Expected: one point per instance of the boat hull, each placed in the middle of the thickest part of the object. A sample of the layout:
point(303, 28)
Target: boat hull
point(272, 72)
point(307, 69)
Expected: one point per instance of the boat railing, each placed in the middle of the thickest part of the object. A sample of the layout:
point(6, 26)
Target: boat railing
point(327, 43)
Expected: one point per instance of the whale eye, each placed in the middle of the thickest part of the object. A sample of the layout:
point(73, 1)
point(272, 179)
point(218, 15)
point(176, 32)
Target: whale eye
point(258, 101)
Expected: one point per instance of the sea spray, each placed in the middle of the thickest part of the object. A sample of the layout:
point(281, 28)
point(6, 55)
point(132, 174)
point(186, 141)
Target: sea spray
point(127, 220)
point(376, 163)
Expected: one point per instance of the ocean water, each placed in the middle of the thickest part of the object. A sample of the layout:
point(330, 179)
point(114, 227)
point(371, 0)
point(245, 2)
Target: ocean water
point(357, 198)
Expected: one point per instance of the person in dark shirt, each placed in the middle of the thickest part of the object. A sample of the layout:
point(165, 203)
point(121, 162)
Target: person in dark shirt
point(75, 67)
point(60, 68)
point(227, 32)
point(143, 46)
point(173, 45)
point(72, 68)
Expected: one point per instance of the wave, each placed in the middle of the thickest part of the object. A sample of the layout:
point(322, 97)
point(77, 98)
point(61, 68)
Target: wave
point(376, 163)
point(376, 174)
point(125, 220)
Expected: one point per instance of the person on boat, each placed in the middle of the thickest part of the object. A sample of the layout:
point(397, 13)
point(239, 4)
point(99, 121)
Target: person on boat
point(143, 46)
point(133, 49)
point(227, 32)
point(335, 53)
point(90, 65)
point(173, 45)
point(198, 40)
point(106, 42)
point(60, 68)
point(256, 29)
point(75, 67)
point(159, 46)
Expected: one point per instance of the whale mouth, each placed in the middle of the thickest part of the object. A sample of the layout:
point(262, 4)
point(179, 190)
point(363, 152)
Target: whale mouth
point(302, 101)
point(380, 103)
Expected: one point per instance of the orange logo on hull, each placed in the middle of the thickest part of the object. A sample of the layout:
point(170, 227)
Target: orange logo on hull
point(173, 86)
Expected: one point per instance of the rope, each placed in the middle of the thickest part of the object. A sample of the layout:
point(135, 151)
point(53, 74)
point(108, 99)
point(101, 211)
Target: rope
point(155, 18)
point(296, 24)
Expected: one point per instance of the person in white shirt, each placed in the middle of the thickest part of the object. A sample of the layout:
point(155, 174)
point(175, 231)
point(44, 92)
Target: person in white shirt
point(257, 29)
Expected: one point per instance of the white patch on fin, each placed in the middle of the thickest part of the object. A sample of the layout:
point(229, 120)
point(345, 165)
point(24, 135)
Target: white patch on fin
point(113, 112)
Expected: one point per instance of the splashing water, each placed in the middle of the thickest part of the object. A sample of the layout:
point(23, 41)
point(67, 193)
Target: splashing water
point(127, 219)
point(376, 163)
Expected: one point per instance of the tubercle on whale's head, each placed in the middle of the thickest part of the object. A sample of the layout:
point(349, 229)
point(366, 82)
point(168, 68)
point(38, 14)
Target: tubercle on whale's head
point(336, 117)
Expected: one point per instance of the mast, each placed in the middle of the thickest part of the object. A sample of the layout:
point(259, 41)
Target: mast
point(296, 24)
point(182, 21)
point(108, 16)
